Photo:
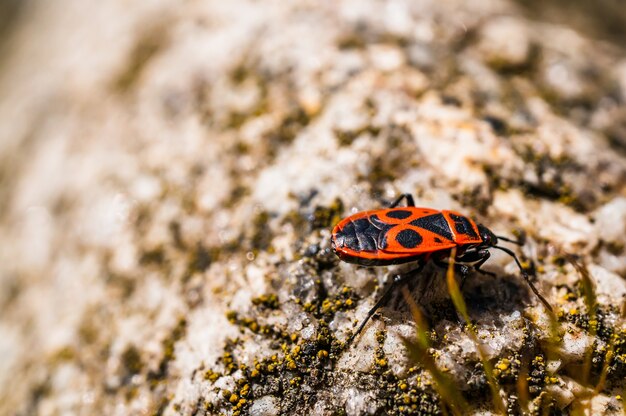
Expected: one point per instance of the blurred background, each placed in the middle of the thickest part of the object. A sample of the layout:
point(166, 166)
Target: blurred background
point(162, 162)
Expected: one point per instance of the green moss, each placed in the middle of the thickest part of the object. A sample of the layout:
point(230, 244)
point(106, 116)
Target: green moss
point(66, 353)
point(506, 369)
point(617, 360)
point(553, 174)
point(211, 375)
point(88, 333)
point(498, 125)
point(614, 247)
point(200, 259)
point(475, 198)
point(407, 395)
point(352, 41)
point(145, 49)
point(238, 192)
point(240, 73)
point(269, 301)
point(155, 256)
point(252, 324)
point(346, 137)
point(291, 125)
point(261, 233)
point(556, 179)
point(131, 360)
point(286, 368)
point(167, 346)
point(545, 404)
point(325, 217)
point(236, 119)
point(161, 406)
point(380, 172)
point(295, 362)
point(400, 156)
point(297, 219)
point(537, 375)
point(327, 307)
point(609, 348)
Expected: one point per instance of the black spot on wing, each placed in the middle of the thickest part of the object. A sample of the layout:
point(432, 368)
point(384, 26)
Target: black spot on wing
point(463, 226)
point(398, 214)
point(435, 223)
point(409, 238)
point(438, 240)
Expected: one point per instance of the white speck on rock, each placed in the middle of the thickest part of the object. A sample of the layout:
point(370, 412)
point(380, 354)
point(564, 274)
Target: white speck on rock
point(146, 188)
point(601, 404)
point(386, 58)
point(308, 331)
point(561, 393)
point(575, 345)
point(505, 41)
point(265, 406)
point(554, 222)
point(394, 348)
point(610, 220)
point(608, 284)
point(360, 356)
point(359, 402)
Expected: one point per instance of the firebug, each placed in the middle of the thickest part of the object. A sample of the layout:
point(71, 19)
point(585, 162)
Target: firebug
point(397, 235)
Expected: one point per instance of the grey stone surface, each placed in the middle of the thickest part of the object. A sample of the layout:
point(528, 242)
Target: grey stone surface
point(170, 173)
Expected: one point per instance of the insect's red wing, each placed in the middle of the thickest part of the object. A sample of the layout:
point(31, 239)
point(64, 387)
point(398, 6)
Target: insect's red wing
point(409, 238)
point(464, 228)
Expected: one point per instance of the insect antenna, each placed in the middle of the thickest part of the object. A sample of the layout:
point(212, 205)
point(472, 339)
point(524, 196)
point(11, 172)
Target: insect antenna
point(518, 242)
point(525, 276)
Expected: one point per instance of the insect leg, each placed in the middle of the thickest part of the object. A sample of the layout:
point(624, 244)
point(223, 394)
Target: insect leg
point(440, 263)
point(397, 280)
point(409, 201)
point(525, 276)
point(461, 269)
point(486, 254)
point(478, 258)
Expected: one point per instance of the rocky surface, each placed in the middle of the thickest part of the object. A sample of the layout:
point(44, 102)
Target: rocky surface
point(170, 173)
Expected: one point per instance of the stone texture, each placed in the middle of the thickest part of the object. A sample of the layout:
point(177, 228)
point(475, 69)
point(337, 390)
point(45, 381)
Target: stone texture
point(169, 175)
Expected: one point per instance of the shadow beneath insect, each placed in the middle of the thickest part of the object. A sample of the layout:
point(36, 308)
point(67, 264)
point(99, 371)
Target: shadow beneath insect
point(503, 294)
point(486, 297)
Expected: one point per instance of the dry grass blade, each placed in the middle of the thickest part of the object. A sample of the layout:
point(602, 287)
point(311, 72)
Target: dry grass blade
point(461, 307)
point(589, 296)
point(522, 387)
point(418, 351)
point(554, 339)
point(578, 408)
point(421, 325)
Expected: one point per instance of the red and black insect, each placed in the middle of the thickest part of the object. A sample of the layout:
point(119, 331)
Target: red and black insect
point(405, 234)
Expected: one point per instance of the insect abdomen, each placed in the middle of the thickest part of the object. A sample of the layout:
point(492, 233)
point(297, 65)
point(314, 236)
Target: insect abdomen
point(362, 234)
